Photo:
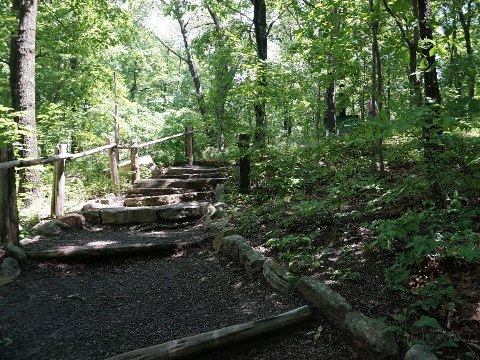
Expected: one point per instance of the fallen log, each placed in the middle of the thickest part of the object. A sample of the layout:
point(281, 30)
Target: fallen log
point(99, 251)
point(212, 340)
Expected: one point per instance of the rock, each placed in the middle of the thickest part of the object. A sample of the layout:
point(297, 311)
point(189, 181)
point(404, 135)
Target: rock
point(92, 216)
point(145, 160)
point(105, 201)
point(73, 220)
point(50, 228)
point(219, 210)
point(17, 253)
point(330, 303)
point(278, 277)
point(218, 239)
point(181, 212)
point(370, 337)
point(420, 352)
point(231, 246)
point(27, 241)
point(219, 193)
point(212, 228)
point(9, 270)
point(118, 216)
point(251, 259)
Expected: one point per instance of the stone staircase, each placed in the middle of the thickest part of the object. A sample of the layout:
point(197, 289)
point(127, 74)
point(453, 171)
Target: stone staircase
point(178, 196)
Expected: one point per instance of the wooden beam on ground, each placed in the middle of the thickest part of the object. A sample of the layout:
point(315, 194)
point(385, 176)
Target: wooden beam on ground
point(101, 251)
point(212, 340)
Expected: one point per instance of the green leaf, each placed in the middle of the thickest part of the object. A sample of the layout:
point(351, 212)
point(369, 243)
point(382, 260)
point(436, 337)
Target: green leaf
point(427, 321)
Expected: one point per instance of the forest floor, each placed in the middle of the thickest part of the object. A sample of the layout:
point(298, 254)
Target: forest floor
point(95, 310)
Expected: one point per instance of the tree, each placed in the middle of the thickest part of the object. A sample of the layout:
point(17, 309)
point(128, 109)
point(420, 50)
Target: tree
point(22, 84)
point(261, 41)
point(432, 128)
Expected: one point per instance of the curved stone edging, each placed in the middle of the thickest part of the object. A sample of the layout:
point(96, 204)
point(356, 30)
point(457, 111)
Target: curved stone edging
point(367, 334)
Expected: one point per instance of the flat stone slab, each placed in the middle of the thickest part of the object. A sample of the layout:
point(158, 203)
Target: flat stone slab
point(330, 303)
point(144, 215)
point(279, 277)
point(167, 199)
point(196, 184)
point(155, 191)
point(188, 176)
point(369, 335)
point(191, 170)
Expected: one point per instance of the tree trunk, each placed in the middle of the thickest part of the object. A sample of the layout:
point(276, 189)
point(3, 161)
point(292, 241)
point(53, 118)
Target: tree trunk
point(22, 86)
point(9, 230)
point(224, 75)
point(377, 92)
point(432, 128)
point(192, 65)
point(412, 44)
point(331, 109)
point(260, 25)
point(466, 20)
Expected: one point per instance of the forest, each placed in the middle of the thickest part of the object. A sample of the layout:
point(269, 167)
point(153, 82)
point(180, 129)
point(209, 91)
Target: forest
point(362, 119)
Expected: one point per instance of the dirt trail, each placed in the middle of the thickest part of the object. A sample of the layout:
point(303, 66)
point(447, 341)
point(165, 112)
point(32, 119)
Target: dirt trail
point(92, 311)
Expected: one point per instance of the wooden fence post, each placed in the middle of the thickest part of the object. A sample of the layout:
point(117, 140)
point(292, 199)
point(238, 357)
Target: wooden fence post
point(58, 191)
point(113, 162)
point(134, 166)
point(9, 224)
point(189, 144)
point(244, 144)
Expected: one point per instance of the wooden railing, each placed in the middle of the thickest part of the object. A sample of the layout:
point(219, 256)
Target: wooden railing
point(61, 156)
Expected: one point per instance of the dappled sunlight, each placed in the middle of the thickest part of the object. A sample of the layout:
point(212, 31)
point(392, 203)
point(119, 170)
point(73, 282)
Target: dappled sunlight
point(100, 244)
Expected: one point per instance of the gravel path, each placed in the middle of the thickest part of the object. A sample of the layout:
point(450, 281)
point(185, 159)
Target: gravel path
point(92, 311)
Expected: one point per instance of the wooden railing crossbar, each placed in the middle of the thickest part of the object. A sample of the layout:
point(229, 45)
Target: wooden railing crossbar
point(51, 159)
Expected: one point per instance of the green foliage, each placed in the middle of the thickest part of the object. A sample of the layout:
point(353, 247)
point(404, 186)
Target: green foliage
point(10, 131)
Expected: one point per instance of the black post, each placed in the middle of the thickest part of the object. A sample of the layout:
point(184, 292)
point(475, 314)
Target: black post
point(244, 144)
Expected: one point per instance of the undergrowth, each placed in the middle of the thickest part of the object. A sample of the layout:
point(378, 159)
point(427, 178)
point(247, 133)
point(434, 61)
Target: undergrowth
point(308, 203)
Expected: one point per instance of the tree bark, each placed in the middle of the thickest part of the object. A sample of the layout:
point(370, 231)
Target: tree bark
point(432, 128)
point(465, 21)
point(331, 108)
point(22, 86)
point(260, 25)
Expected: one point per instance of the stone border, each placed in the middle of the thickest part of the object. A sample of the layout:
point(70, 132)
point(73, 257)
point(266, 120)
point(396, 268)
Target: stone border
point(367, 335)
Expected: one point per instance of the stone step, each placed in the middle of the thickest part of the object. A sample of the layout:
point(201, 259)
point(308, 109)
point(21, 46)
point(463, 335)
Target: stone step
point(191, 170)
point(168, 199)
point(168, 175)
point(167, 214)
point(137, 192)
point(194, 184)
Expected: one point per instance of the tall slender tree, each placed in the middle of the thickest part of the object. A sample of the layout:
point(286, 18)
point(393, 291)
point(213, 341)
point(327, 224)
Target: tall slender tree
point(22, 85)
point(432, 127)
point(261, 36)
